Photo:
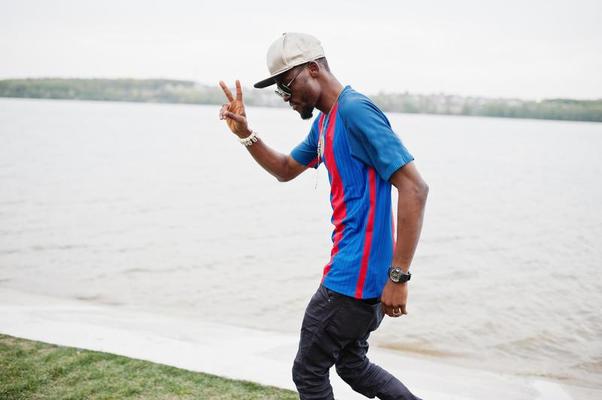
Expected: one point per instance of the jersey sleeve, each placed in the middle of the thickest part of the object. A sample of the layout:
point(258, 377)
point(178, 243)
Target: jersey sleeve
point(371, 139)
point(306, 152)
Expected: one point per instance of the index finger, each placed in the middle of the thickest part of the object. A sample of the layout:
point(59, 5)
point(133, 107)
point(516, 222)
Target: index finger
point(226, 90)
point(238, 91)
point(387, 309)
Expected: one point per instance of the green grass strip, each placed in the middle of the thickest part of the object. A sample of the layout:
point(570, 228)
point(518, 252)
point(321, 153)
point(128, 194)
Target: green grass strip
point(35, 370)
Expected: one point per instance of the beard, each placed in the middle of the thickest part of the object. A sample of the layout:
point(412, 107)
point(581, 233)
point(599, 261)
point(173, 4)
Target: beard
point(307, 112)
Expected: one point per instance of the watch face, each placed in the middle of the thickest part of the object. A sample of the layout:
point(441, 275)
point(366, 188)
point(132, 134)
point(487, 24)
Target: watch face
point(395, 274)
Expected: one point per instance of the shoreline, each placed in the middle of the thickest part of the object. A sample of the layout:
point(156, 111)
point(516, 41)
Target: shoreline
point(243, 353)
point(281, 107)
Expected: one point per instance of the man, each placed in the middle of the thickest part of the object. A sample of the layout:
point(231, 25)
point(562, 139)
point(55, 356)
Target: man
point(368, 273)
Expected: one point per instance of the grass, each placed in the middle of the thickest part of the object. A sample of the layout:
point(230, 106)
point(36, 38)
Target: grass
point(40, 371)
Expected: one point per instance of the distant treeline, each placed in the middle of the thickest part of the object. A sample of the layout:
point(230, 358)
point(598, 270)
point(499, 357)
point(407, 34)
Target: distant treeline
point(136, 90)
point(175, 91)
point(558, 109)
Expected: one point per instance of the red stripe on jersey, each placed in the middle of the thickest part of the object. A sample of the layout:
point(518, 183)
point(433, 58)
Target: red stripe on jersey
point(368, 236)
point(339, 208)
point(313, 162)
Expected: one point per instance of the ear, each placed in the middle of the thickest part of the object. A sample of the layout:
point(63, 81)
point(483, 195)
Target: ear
point(314, 69)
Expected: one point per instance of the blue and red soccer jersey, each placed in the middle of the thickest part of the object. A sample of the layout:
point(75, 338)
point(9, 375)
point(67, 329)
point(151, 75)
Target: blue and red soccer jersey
point(361, 152)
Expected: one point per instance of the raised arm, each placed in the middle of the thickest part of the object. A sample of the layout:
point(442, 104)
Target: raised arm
point(282, 166)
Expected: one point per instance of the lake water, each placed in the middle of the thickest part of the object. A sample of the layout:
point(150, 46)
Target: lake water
point(158, 207)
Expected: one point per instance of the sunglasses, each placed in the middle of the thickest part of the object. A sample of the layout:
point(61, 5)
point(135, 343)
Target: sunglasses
point(283, 90)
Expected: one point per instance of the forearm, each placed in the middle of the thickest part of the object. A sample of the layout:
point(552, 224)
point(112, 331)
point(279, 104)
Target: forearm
point(271, 160)
point(410, 214)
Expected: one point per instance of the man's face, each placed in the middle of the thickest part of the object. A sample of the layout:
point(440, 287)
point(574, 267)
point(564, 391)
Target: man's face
point(300, 99)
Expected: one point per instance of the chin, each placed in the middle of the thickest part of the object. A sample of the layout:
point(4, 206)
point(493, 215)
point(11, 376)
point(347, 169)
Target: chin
point(307, 113)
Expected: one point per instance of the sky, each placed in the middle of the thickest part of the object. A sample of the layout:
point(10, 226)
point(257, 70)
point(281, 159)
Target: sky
point(529, 49)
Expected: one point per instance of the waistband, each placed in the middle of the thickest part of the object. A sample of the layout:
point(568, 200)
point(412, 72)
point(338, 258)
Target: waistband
point(371, 301)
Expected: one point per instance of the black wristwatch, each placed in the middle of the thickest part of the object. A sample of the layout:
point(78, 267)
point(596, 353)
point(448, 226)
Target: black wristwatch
point(398, 276)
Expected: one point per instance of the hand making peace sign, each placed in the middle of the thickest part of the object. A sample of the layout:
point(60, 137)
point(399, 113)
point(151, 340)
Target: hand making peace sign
point(234, 111)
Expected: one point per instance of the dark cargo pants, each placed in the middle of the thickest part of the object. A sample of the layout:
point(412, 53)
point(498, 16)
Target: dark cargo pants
point(335, 330)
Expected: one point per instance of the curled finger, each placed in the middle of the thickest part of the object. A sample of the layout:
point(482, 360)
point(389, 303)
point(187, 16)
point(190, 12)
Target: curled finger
point(223, 110)
point(235, 117)
point(388, 310)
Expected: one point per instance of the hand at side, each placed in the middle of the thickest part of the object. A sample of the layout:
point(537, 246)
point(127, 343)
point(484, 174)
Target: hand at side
point(395, 298)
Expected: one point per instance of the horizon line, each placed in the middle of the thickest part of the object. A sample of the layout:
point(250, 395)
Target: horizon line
point(380, 91)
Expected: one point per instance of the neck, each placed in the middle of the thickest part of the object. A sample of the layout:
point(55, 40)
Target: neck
point(329, 96)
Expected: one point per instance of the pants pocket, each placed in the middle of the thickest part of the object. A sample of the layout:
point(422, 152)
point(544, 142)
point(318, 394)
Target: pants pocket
point(353, 319)
point(319, 312)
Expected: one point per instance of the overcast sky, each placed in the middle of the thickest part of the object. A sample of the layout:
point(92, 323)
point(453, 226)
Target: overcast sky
point(527, 48)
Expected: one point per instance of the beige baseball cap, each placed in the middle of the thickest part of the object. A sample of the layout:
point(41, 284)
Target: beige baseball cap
point(288, 51)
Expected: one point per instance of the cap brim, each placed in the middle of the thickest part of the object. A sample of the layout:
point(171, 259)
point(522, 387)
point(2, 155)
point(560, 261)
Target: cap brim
point(266, 82)
point(272, 79)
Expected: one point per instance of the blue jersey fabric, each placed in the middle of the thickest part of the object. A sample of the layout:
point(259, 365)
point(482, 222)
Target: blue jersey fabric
point(360, 152)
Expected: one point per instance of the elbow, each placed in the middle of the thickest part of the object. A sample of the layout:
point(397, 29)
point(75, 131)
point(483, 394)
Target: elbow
point(417, 192)
point(422, 192)
point(283, 178)
point(284, 172)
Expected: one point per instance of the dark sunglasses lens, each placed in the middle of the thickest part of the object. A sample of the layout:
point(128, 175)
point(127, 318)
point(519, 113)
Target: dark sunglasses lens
point(283, 90)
